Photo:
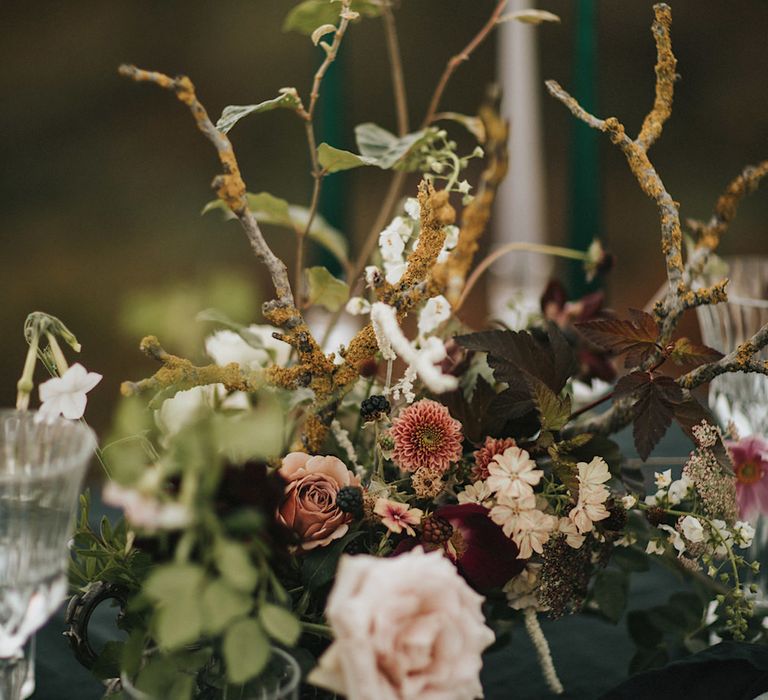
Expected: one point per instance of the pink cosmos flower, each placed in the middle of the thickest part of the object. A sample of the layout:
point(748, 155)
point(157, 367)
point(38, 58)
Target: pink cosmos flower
point(425, 435)
point(750, 464)
point(397, 517)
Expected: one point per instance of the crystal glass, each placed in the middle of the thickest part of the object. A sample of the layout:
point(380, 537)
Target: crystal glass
point(42, 464)
point(280, 680)
point(737, 396)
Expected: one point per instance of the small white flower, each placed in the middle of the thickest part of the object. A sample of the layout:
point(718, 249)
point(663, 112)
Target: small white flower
point(654, 547)
point(513, 474)
point(675, 538)
point(391, 245)
point(692, 529)
point(464, 187)
point(628, 502)
point(478, 152)
point(475, 493)
point(412, 208)
point(573, 537)
point(435, 311)
point(65, 395)
point(184, 408)
point(663, 479)
point(395, 271)
point(451, 237)
point(678, 490)
point(744, 533)
point(627, 540)
point(144, 511)
point(722, 538)
point(227, 346)
point(372, 276)
point(358, 306)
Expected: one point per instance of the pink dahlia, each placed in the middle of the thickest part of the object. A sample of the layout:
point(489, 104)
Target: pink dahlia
point(425, 435)
point(483, 457)
point(750, 464)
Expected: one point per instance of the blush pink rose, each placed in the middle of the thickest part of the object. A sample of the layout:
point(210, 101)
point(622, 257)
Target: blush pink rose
point(405, 628)
point(308, 506)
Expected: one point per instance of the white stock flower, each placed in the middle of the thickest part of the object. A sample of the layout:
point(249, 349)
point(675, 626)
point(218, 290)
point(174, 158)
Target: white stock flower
point(66, 395)
point(394, 271)
point(412, 208)
point(227, 346)
point(692, 529)
point(675, 538)
point(663, 479)
point(475, 493)
point(391, 244)
point(592, 494)
point(358, 306)
point(573, 538)
point(435, 311)
point(744, 533)
point(678, 490)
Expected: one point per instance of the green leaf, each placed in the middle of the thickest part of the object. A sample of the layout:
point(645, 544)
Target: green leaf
point(333, 160)
point(287, 99)
point(269, 209)
point(246, 650)
point(645, 659)
point(610, 593)
point(529, 17)
point(642, 630)
point(383, 147)
point(281, 624)
point(553, 410)
point(325, 289)
point(318, 567)
point(170, 581)
point(222, 604)
point(107, 664)
point(630, 559)
point(178, 622)
point(255, 434)
point(234, 563)
point(311, 14)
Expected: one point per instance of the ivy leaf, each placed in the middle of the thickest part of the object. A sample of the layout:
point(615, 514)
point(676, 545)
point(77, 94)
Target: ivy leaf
point(333, 160)
point(269, 209)
point(246, 650)
point(281, 624)
point(325, 289)
point(686, 353)
point(305, 17)
point(637, 336)
point(653, 411)
point(287, 99)
point(383, 147)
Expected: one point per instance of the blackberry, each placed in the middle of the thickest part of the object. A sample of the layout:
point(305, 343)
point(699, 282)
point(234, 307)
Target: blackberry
point(349, 499)
point(436, 530)
point(617, 519)
point(374, 407)
point(655, 515)
point(356, 546)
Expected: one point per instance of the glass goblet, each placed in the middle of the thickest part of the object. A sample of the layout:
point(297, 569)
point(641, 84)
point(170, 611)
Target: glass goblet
point(42, 463)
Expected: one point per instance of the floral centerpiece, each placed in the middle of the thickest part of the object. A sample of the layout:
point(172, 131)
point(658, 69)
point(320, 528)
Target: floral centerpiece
point(387, 508)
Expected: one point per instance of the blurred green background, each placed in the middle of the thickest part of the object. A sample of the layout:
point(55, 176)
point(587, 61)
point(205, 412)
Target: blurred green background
point(102, 181)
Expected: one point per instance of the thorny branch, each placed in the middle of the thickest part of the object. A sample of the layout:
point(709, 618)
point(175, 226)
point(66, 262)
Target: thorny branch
point(680, 294)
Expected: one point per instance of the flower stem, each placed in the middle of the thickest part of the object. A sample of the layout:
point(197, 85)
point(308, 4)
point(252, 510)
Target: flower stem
point(58, 355)
point(26, 382)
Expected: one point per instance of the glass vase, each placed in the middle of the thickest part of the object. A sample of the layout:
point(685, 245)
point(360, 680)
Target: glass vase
point(42, 464)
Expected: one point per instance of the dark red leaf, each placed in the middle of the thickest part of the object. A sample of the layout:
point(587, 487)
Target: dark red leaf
point(636, 336)
point(630, 383)
point(692, 355)
point(653, 409)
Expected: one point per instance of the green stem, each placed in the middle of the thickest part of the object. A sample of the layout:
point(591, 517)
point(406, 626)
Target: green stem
point(58, 355)
point(26, 382)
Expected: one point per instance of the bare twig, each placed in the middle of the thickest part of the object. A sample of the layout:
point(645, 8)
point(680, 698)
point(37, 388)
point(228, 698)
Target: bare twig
point(396, 67)
point(455, 61)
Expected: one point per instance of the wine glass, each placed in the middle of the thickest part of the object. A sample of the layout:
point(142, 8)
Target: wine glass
point(42, 463)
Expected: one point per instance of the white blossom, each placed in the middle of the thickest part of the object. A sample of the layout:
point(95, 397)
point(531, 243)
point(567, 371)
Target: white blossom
point(475, 493)
point(395, 271)
point(184, 408)
point(144, 511)
point(464, 187)
point(692, 529)
point(66, 395)
point(678, 490)
point(628, 501)
point(722, 538)
point(744, 533)
point(675, 538)
point(391, 244)
point(227, 346)
point(435, 311)
point(358, 306)
point(412, 208)
point(372, 275)
point(342, 438)
point(663, 479)
point(654, 547)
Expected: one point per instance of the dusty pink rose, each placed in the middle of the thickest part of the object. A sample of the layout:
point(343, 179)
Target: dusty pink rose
point(308, 507)
point(405, 628)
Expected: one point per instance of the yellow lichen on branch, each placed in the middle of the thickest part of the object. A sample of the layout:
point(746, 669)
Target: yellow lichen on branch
point(180, 373)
